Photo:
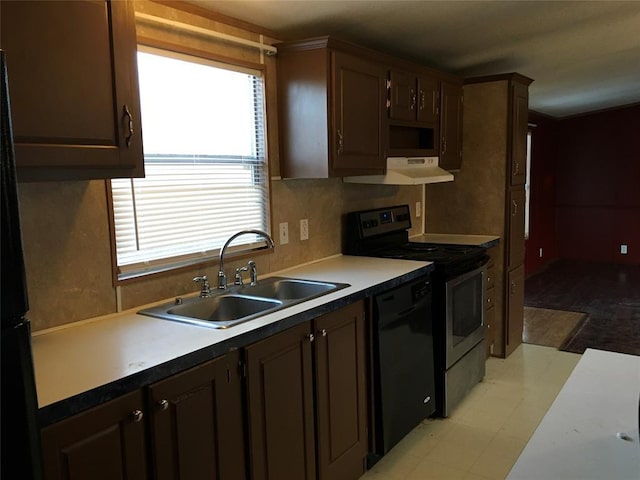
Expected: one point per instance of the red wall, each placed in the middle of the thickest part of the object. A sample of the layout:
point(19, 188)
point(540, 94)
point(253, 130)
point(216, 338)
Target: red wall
point(542, 213)
point(585, 192)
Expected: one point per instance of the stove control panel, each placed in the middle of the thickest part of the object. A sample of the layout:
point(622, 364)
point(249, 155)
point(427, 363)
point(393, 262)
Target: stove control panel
point(383, 220)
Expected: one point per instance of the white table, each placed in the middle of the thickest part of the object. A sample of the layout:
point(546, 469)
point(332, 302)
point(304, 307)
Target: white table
point(578, 437)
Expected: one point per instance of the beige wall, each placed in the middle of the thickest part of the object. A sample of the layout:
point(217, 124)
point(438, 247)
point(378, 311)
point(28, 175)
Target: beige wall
point(66, 224)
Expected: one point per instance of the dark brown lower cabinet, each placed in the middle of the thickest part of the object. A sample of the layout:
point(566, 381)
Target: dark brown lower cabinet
point(341, 409)
point(291, 436)
point(197, 423)
point(196, 431)
point(104, 443)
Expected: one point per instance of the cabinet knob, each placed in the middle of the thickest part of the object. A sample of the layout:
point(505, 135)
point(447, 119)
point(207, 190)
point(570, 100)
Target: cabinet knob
point(311, 337)
point(163, 404)
point(412, 94)
point(137, 416)
point(323, 332)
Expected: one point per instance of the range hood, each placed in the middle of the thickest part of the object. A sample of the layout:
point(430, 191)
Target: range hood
point(407, 171)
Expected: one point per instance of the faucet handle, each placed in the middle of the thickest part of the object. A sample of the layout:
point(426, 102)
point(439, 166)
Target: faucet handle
point(237, 279)
point(205, 289)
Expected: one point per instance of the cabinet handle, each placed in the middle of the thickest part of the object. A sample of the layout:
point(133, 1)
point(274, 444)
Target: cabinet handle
point(128, 114)
point(137, 416)
point(163, 404)
point(513, 288)
point(444, 145)
point(340, 143)
point(422, 99)
point(514, 209)
point(412, 94)
point(323, 332)
point(516, 167)
point(311, 337)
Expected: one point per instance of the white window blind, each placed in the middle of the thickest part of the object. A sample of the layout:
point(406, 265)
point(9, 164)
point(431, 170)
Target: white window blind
point(205, 164)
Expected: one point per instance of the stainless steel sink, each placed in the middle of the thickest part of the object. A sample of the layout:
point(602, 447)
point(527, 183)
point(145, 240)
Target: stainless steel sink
point(289, 288)
point(239, 304)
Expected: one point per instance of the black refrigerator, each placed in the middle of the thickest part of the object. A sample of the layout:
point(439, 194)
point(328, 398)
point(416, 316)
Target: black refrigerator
point(21, 451)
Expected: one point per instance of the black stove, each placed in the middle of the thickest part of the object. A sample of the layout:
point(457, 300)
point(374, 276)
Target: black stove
point(384, 233)
point(456, 316)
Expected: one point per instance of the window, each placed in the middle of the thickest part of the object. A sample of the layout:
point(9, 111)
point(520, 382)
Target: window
point(527, 187)
point(205, 162)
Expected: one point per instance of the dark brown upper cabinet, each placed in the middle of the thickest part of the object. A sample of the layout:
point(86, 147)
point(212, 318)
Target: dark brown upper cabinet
point(414, 113)
point(74, 89)
point(331, 109)
point(451, 126)
point(413, 97)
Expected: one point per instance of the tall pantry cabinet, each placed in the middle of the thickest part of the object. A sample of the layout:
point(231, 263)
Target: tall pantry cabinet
point(487, 196)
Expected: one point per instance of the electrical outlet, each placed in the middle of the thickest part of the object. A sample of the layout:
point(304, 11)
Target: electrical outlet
point(304, 229)
point(540, 252)
point(623, 249)
point(418, 209)
point(284, 233)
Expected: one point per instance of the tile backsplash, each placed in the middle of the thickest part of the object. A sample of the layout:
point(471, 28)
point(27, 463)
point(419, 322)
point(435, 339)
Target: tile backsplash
point(68, 252)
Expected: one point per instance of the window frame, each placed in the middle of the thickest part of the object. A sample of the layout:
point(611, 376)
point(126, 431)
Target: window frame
point(233, 251)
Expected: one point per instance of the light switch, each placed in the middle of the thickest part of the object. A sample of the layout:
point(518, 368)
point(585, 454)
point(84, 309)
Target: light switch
point(284, 233)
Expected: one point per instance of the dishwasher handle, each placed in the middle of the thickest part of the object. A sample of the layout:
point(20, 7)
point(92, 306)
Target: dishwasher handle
point(389, 317)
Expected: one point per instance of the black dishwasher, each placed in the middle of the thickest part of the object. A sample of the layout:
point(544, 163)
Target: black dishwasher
point(403, 362)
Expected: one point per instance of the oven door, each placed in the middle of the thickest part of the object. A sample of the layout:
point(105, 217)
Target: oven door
point(465, 298)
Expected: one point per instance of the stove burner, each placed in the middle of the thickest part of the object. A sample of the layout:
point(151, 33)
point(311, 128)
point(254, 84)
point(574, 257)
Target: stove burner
point(425, 247)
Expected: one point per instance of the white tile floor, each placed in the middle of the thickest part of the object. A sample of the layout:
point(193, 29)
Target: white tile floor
point(484, 436)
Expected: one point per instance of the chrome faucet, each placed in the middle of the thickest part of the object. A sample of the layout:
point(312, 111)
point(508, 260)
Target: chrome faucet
point(222, 277)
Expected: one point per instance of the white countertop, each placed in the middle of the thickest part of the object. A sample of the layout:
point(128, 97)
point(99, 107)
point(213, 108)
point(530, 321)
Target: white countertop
point(456, 239)
point(578, 437)
point(89, 354)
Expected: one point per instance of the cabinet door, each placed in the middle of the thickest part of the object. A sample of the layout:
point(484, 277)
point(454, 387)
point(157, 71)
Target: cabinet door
point(74, 88)
point(428, 100)
point(451, 126)
point(516, 241)
point(515, 308)
point(359, 97)
point(197, 423)
point(103, 443)
point(280, 406)
point(519, 128)
point(341, 393)
point(403, 95)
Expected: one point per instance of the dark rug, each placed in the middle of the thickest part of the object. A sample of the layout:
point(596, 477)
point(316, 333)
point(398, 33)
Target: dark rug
point(609, 294)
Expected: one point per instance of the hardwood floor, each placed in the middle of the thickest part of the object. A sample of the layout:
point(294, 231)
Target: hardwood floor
point(609, 294)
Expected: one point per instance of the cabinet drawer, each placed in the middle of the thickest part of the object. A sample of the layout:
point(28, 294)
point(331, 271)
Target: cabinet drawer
point(491, 277)
point(489, 332)
point(490, 297)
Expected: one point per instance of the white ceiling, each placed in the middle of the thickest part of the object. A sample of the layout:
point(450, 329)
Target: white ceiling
point(583, 55)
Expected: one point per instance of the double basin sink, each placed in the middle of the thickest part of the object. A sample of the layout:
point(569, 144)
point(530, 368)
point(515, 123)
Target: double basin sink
point(238, 304)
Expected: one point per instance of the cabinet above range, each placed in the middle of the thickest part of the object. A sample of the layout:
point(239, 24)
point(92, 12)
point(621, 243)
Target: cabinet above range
point(344, 109)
